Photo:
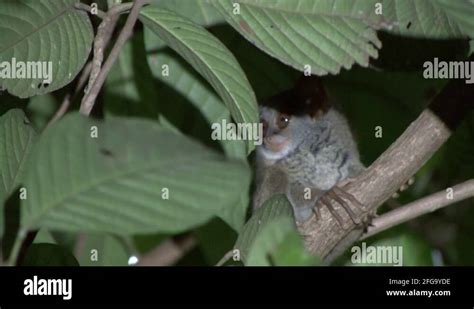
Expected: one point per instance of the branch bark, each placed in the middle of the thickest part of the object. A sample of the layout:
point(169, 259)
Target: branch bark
point(420, 207)
point(325, 237)
point(89, 98)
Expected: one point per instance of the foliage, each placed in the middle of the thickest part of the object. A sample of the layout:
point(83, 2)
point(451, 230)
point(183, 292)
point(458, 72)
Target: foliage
point(147, 169)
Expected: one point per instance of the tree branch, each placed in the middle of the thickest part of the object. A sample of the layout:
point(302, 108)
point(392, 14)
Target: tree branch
point(89, 98)
point(420, 207)
point(325, 237)
point(101, 41)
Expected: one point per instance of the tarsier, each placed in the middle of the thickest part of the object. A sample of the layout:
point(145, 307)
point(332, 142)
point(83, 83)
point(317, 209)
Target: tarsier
point(307, 149)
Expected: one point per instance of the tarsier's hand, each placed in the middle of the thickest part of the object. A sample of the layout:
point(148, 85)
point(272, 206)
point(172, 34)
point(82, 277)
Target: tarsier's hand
point(311, 146)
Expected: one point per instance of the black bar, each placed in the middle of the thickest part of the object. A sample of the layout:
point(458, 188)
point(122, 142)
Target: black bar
point(239, 285)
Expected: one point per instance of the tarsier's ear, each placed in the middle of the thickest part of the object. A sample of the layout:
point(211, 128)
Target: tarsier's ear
point(311, 95)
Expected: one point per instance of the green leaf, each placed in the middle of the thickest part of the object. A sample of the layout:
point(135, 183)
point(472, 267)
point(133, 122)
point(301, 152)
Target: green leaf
point(234, 216)
point(269, 238)
point(210, 58)
point(199, 11)
point(115, 182)
point(41, 109)
point(187, 91)
point(215, 239)
point(300, 33)
point(52, 32)
point(291, 252)
point(435, 19)
point(189, 105)
point(266, 74)
point(264, 230)
point(129, 88)
point(44, 236)
point(94, 249)
point(415, 251)
point(43, 254)
point(16, 137)
point(103, 250)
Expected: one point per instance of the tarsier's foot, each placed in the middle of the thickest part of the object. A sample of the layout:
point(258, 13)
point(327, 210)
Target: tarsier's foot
point(340, 196)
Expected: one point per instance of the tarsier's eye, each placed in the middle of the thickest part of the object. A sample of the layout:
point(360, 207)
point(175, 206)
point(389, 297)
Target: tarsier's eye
point(283, 120)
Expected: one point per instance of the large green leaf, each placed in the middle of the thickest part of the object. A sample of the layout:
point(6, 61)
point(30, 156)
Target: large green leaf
point(46, 31)
point(437, 19)
point(114, 183)
point(265, 229)
point(199, 11)
point(291, 252)
point(184, 87)
point(270, 237)
point(266, 74)
point(210, 58)
point(300, 33)
point(191, 105)
point(16, 139)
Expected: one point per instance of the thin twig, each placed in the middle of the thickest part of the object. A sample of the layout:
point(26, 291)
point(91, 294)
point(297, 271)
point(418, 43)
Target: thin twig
point(168, 252)
point(12, 259)
point(420, 207)
point(68, 99)
point(225, 258)
point(89, 99)
point(101, 40)
point(79, 245)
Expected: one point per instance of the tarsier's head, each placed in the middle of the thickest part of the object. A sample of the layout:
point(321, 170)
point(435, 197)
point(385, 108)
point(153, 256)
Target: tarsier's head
point(290, 116)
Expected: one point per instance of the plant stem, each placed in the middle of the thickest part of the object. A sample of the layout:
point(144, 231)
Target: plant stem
point(16, 247)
